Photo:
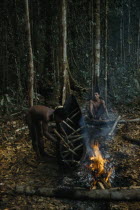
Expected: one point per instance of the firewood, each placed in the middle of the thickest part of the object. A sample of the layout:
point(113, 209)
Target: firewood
point(107, 185)
point(100, 185)
point(116, 194)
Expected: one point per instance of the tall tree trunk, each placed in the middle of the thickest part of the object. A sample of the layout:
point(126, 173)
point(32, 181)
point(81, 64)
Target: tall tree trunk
point(123, 34)
point(97, 46)
point(66, 84)
point(129, 21)
point(106, 51)
point(30, 57)
point(138, 46)
point(121, 37)
point(92, 48)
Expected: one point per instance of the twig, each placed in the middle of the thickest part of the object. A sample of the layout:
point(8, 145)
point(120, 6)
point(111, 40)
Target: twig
point(19, 129)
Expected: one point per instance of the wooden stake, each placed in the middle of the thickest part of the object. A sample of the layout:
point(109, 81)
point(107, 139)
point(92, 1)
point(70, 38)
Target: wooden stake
point(65, 143)
point(68, 125)
point(114, 126)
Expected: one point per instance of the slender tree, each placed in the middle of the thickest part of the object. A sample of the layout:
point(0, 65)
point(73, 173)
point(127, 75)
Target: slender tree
point(106, 51)
point(30, 57)
point(138, 46)
point(92, 47)
point(129, 22)
point(66, 84)
point(97, 46)
point(121, 40)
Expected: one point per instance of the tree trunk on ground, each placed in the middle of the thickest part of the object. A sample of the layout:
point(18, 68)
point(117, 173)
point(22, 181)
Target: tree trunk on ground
point(97, 46)
point(124, 193)
point(30, 57)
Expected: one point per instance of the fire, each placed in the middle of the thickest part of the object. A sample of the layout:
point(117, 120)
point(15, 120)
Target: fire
point(97, 166)
point(97, 161)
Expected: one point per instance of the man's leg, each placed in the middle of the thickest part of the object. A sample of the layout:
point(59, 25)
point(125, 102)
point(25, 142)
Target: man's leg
point(100, 112)
point(40, 139)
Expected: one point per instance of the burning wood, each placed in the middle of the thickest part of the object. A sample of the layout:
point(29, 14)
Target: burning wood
point(97, 168)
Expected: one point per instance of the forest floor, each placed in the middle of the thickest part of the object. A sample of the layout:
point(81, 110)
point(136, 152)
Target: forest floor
point(19, 166)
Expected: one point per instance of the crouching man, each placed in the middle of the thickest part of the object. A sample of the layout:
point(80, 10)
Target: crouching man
point(38, 118)
point(97, 107)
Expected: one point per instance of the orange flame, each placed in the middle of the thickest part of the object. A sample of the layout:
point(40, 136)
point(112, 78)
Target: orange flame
point(98, 164)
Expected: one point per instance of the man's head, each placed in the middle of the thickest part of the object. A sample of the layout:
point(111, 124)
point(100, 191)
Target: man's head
point(59, 114)
point(96, 95)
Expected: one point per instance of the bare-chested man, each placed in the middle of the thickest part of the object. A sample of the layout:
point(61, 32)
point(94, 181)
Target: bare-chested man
point(97, 107)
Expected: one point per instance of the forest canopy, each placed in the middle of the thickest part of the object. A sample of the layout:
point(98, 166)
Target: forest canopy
point(114, 25)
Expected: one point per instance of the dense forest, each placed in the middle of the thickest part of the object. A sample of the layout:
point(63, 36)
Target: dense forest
point(100, 40)
point(70, 104)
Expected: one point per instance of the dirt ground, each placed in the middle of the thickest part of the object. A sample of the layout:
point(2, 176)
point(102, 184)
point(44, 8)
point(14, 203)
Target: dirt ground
point(19, 166)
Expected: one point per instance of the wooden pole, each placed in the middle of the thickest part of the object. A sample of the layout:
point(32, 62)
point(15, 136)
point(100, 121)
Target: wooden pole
point(114, 126)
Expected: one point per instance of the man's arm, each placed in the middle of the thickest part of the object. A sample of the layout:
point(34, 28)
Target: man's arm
point(46, 133)
point(91, 107)
point(105, 108)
